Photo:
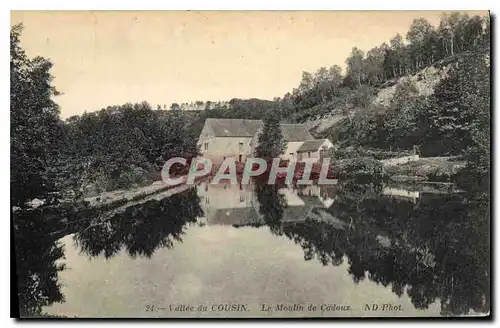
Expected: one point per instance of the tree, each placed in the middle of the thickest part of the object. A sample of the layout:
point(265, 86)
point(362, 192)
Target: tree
point(335, 78)
point(306, 83)
point(35, 125)
point(271, 144)
point(473, 32)
point(394, 61)
point(451, 29)
point(421, 39)
point(355, 67)
point(459, 107)
point(374, 64)
point(476, 175)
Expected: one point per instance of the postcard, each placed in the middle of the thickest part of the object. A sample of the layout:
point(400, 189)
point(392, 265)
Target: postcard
point(250, 164)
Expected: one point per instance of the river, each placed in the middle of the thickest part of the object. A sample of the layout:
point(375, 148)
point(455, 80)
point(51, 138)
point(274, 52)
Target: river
point(262, 251)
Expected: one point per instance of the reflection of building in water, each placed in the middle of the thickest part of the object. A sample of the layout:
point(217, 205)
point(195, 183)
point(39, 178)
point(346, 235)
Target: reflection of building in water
point(315, 193)
point(237, 205)
point(227, 204)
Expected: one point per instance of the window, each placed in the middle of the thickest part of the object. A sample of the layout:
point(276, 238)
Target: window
point(206, 145)
point(309, 154)
point(240, 145)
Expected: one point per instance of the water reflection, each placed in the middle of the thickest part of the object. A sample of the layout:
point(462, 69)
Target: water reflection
point(37, 251)
point(141, 229)
point(425, 245)
point(271, 205)
point(435, 248)
point(430, 245)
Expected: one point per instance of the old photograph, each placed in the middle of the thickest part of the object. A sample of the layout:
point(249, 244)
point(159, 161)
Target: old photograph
point(250, 164)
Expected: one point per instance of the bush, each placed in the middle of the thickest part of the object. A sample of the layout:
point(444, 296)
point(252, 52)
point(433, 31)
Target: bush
point(99, 181)
point(360, 170)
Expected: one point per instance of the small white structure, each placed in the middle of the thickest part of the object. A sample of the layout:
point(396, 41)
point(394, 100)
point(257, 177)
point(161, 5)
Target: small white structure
point(313, 148)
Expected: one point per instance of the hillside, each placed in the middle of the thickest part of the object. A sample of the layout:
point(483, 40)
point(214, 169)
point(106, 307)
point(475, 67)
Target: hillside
point(425, 80)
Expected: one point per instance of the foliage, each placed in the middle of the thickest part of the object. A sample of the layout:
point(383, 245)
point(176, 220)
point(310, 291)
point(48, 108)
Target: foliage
point(476, 175)
point(118, 146)
point(459, 109)
point(454, 120)
point(359, 170)
point(425, 45)
point(324, 91)
point(436, 169)
point(271, 144)
point(35, 125)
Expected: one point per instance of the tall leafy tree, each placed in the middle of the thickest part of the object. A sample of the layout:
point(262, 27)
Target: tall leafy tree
point(420, 36)
point(335, 78)
point(459, 108)
point(35, 127)
point(374, 64)
point(271, 144)
point(355, 67)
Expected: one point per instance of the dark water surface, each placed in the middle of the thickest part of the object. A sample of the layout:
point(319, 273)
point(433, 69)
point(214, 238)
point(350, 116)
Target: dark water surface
point(260, 251)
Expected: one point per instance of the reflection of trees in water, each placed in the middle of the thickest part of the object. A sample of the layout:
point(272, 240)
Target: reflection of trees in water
point(141, 229)
point(319, 240)
point(271, 205)
point(36, 255)
point(436, 249)
point(328, 191)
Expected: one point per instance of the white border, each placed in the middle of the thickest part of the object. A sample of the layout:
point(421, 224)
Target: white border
point(203, 5)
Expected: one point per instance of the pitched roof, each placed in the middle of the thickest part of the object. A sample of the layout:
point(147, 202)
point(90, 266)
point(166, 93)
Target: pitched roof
point(295, 132)
point(224, 127)
point(310, 145)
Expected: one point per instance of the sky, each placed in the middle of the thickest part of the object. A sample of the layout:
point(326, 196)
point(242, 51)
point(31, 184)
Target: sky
point(106, 58)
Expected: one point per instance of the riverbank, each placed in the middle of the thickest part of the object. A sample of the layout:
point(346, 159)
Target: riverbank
point(410, 169)
point(120, 198)
point(436, 169)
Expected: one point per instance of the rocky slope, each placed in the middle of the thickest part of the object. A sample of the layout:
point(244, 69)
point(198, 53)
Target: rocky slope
point(425, 81)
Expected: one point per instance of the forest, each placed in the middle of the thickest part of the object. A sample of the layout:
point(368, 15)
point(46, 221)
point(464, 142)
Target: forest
point(121, 146)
